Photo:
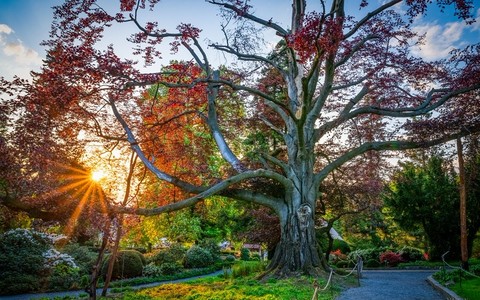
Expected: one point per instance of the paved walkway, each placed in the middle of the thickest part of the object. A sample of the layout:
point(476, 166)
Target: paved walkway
point(393, 285)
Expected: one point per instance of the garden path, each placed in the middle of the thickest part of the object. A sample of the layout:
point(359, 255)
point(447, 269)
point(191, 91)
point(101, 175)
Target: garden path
point(393, 285)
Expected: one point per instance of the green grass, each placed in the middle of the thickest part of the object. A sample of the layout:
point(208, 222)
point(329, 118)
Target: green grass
point(467, 289)
point(236, 289)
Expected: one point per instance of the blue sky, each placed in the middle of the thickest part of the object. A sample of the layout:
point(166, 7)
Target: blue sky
point(25, 23)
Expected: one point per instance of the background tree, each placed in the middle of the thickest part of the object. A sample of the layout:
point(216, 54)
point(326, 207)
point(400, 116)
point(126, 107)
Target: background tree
point(336, 75)
point(427, 197)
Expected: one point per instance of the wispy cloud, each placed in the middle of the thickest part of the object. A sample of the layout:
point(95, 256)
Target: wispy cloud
point(15, 57)
point(21, 54)
point(439, 39)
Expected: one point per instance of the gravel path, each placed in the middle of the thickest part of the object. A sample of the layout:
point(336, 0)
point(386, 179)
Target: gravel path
point(392, 285)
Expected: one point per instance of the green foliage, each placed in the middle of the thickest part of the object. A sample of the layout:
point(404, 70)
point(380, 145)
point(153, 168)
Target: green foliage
point(21, 260)
point(372, 263)
point(366, 254)
point(212, 247)
point(426, 197)
point(173, 254)
point(128, 264)
point(342, 245)
point(151, 270)
point(244, 254)
point(63, 277)
point(170, 268)
point(230, 258)
point(197, 257)
point(238, 289)
point(411, 254)
point(467, 289)
point(247, 268)
point(476, 247)
point(84, 257)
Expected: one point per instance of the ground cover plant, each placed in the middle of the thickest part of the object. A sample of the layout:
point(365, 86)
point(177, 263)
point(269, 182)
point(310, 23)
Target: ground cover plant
point(239, 288)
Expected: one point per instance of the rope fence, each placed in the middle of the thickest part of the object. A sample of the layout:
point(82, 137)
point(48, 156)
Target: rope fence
point(457, 268)
point(358, 267)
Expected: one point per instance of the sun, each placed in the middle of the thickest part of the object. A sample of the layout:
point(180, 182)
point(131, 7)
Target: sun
point(98, 175)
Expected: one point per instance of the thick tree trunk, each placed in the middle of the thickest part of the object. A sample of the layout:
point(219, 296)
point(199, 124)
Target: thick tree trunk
point(297, 251)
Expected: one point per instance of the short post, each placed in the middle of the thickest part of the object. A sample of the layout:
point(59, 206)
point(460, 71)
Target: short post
point(359, 268)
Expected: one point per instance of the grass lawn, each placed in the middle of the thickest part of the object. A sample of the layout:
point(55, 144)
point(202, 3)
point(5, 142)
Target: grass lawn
point(468, 289)
point(235, 289)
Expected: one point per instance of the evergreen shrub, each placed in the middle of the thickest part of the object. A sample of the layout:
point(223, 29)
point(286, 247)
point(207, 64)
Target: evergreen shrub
point(244, 254)
point(173, 254)
point(21, 260)
point(128, 264)
point(411, 254)
point(170, 268)
point(197, 257)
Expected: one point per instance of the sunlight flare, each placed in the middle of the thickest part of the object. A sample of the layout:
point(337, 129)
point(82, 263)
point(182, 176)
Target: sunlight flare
point(98, 175)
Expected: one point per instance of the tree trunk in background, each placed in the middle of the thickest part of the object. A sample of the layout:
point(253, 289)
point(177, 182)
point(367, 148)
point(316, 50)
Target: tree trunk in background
point(91, 289)
point(111, 262)
point(463, 207)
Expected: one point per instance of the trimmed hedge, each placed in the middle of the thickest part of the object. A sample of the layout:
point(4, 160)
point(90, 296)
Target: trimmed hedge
point(128, 264)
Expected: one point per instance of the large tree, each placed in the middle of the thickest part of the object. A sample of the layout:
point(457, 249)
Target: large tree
point(332, 77)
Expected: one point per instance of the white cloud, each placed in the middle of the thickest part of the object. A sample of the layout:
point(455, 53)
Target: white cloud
point(4, 28)
point(15, 57)
point(439, 39)
point(21, 54)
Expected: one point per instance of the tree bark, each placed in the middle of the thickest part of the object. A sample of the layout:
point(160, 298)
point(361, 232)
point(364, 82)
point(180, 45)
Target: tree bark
point(297, 250)
point(91, 289)
point(463, 207)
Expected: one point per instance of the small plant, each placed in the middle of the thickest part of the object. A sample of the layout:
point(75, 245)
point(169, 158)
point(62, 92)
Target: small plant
point(245, 254)
point(390, 258)
point(197, 257)
point(151, 270)
point(245, 268)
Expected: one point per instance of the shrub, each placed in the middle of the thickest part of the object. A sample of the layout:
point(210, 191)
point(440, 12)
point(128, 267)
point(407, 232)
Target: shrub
point(390, 258)
point(410, 254)
point(21, 260)
point(475, 269)
point(128, 264)
point(63, 277)
point(84, 257)
point(197, 257)
point(366, 254)
point(372, 263)
point(151, 270)
point(170, 268)
point(337, 255)
point(245, 254)
point(174, 254)
point(247, 268)
point(212, 247)
point(341, 245)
